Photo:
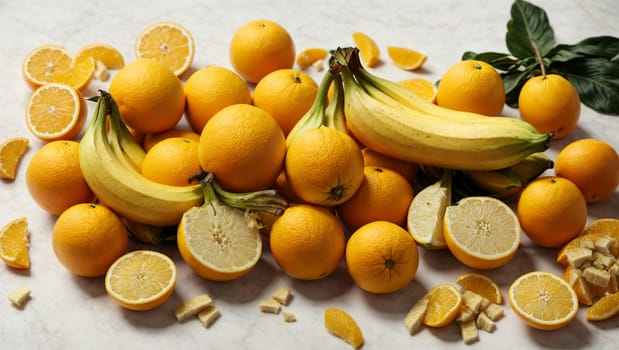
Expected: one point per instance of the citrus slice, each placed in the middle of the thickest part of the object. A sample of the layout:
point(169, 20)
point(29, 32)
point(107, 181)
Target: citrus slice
point(79, 73)
point(582, 288)
point(167, 42)
point(481, 232)
point(11, 152)
point(405, 58)
point(106, 54)
point(421, 87)
point(605, 308)
point(308, 57)
point(43, 63)
point(55, 112)
point(342, 325)
point(605, 227)
point(426, 212)
point(543, 300)
point(141, 279)
point(14, 244)
point(368, 50)
point(481, 285)
point(444, 301)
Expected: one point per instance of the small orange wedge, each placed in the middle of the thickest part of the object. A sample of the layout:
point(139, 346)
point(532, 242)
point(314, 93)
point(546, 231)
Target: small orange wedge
point(421, 87)
point(444, 301)
point(11, 152)
point(605, 308)
point(167, 42)
point(80, 73)
point(342, 325)
point(106, 54)
point(308, 57)
point(405, 58)
point(14, 244)
point(368, 50)
point(481, 285)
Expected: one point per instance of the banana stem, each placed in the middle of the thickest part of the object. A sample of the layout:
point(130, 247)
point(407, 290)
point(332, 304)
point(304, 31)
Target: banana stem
point(334, 114)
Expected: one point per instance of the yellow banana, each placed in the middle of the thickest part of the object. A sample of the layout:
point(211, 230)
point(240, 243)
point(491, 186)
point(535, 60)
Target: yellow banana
point(114, 179)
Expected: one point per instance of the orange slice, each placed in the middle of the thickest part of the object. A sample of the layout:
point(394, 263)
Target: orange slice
point(605, 308)
point(342, 325)
point(405, 58)
point(56, 112)
point(79, 74)
point(104, 53)
point(582, 288)
point(42, 64)
point(543, 300)
point(368, 50)
point(421, 87)
point(481, 285)
point(14, 244)
point(141, 279)
point(606, 227)
point(11, 152)
point(444, 301)
point(308, 57)
point(167, 42)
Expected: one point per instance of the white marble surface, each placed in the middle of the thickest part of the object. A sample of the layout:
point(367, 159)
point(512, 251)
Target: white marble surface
point(68, 312)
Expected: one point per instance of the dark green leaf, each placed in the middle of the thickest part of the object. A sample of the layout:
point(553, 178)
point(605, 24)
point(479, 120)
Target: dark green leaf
point(562, 53)
point(500, 61)
point(528, 24)
point(515, 79)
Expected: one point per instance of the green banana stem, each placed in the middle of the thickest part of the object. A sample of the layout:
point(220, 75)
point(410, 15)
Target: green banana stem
point(334, 114)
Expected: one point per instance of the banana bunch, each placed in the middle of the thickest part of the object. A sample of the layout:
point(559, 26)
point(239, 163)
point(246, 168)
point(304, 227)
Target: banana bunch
point(390, 119)
point(110, 162)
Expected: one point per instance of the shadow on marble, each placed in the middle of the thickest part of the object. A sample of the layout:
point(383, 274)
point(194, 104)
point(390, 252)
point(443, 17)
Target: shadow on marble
point(573, 336)
point(330, 287)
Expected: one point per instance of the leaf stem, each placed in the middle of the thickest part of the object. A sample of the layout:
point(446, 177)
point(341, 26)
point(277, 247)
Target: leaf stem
point(540, 60)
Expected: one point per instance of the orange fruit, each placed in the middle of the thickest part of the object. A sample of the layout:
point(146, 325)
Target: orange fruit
point(141, 280)
point(210, 89)
point(324, 166)
point(104, 53)
point(592, 165)
point(56, 112)
point(605, 308)
point(383, 195)
point(282, 185)
point(421, 87)
point(308, 57)
point(543, 300)
point(444, 301)
point(481, 232)
point(287, 94)
point(472, 86)
point(605, 227)
point(381, 257)
point(167, 42)
point(549, 103)
point(244, 148)
point(405, 58)
point(11, 152)
point(14, 239)
point(42, 64)
point(480, 285)
point(88, 238)
point(582, 287)
point(552, 211)
point(307, 242)
point(172, 161)
point(260, 47)
point(150, 97)
point(339, 323)
point(368, 50)
point(151, 139)
point(372, 158)
point(54, 178)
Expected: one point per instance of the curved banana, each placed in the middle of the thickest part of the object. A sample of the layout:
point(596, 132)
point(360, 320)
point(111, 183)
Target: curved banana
point(113, 178)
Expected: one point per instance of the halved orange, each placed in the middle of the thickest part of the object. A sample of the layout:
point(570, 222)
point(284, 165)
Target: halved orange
point(421, 87)
point(11, 152)
point(481, 285)
point(339, 323)
point(405, 58)
point(310, 56)
point(42, 64)
point(444, 301)
point(604, 227)
point(167, 42)
point(14, 243)
point(56, 112)
point(106, 54)
point(605, 308)
point(79, 74)
point(368, 50)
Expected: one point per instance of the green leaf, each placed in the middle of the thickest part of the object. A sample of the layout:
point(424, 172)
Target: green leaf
point(498, 60)
point(528, 24)
point(599, 46)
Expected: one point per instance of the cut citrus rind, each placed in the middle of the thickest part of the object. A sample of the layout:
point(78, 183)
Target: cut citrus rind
point(167, 42)
point(405, 58)
point(342, 325)
point(368, 50)
point(308, 57)
point(106, 54)
point(421, 87)
point(481, 285)
point(425, 215)
point(444, 301)
point(11, 152)
point(605, 227)
point(14, 243)
point(605, 308)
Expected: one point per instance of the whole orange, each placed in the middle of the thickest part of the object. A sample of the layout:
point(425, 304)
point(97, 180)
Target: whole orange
point(307, 242)
point(287, 94)
point(593, 165)
point(210, 89)
point(172, 161)
point(552, 211)
point(550, 103)
point(54, 178)
point(88, 238)
point(373, 158)
point(260, 47)
point(384, 195)
point(244, 147)
point(472, 86)
point(151, 139)
point(282, 185)
point(150, 97)
point(381, 257)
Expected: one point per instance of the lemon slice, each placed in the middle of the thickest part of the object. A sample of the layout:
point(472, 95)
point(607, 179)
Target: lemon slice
point(425, 214)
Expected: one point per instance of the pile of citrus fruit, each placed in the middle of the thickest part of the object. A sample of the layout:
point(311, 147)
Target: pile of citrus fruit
point(347, 204)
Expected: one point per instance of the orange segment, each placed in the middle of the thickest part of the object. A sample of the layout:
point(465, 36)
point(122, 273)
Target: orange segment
point(105, 53)
point(56, 111)
point(310, 56)
point(481, 285)
point(79, 74)
point(11, 152)
point(342, 325)
point(605, 308)
point(167, 42)
point(42, 64)
point(444, 301)
point(543, 300)
point(368, 50)
point(14, 244)
point(405, 58)
point(421, 87)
